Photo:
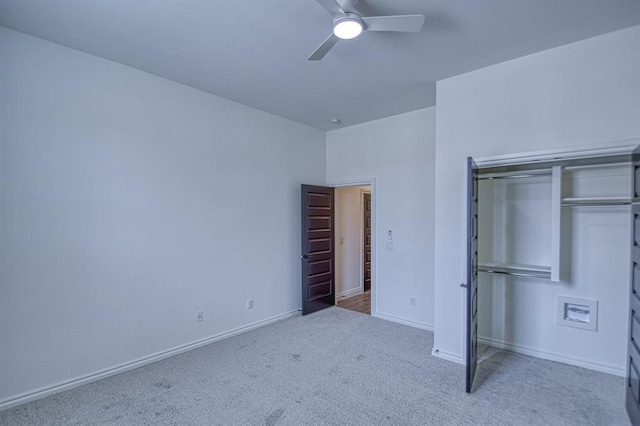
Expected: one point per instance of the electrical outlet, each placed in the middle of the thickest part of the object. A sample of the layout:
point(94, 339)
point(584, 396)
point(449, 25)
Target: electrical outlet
point(199, 316)
point(412, 300)
point(249, 303)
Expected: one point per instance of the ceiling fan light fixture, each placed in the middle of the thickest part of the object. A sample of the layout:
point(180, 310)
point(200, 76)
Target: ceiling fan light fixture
point(347, 27)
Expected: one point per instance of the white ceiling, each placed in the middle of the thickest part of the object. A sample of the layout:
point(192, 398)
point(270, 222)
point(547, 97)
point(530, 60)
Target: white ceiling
point(254, 51)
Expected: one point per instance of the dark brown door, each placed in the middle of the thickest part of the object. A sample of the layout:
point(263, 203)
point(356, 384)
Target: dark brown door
point(472, 272)
point(632, 398)
point(367, 241)
point(317, 248)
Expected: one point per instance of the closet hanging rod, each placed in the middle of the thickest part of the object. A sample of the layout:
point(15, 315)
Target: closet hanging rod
point(597, 204)
point(517, 270)
point(596, 201)
point(516, 174)
point(541, 275)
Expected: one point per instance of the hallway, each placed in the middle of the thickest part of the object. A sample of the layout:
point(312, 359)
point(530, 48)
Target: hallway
point(360, 303)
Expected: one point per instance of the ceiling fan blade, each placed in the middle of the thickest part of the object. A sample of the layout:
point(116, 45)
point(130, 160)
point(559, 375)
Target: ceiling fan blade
point(400, 23)
point(332, 7)
point(324, 47)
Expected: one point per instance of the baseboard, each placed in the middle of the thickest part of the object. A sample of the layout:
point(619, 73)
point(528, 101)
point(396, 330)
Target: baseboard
point(403, 321)
point(121, 368)
point(447, 355)
point(552, 356)
point(349, 293)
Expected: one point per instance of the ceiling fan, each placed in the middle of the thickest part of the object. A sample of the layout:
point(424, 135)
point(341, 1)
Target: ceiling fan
point(348, 24)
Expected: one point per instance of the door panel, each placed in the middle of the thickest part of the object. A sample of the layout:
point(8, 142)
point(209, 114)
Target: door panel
point(317, 248)
point(632, 397)
point(320, 267)
point(472, 272)
point(319, 245)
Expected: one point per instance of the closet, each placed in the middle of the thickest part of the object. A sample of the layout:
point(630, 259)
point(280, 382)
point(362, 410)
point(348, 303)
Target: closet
point(519, 226)
point(523, 214)
point(549, 256)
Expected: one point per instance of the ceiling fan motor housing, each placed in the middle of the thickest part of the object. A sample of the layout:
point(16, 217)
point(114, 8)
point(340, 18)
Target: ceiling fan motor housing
point(348, 26)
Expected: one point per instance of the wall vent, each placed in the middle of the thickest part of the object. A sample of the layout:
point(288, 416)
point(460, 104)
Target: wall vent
point(577, 312)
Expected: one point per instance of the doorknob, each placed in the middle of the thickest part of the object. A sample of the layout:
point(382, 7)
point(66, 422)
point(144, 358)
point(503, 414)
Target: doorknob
point(305, 256)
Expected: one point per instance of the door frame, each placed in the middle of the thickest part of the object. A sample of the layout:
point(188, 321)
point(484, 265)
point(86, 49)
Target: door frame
point(372, 184)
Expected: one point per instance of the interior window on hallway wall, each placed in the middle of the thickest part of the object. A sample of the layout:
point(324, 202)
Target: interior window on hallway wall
point(349, 237)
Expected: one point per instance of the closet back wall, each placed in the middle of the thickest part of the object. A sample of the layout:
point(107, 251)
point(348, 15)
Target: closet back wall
point(129, 202)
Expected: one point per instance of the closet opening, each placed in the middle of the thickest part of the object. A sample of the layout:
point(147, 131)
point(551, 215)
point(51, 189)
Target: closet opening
point(549, 259)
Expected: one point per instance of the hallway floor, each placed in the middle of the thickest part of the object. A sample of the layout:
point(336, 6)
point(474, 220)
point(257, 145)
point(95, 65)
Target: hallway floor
point(360, 303)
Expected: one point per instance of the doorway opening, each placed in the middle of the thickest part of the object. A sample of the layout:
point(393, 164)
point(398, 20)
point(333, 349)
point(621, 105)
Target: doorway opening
point(354, 247)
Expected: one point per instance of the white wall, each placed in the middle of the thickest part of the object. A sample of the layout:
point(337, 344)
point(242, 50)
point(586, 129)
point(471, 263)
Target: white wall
point(349, 234)
point(128, 203)
point(399, 153)
point(581, 94)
